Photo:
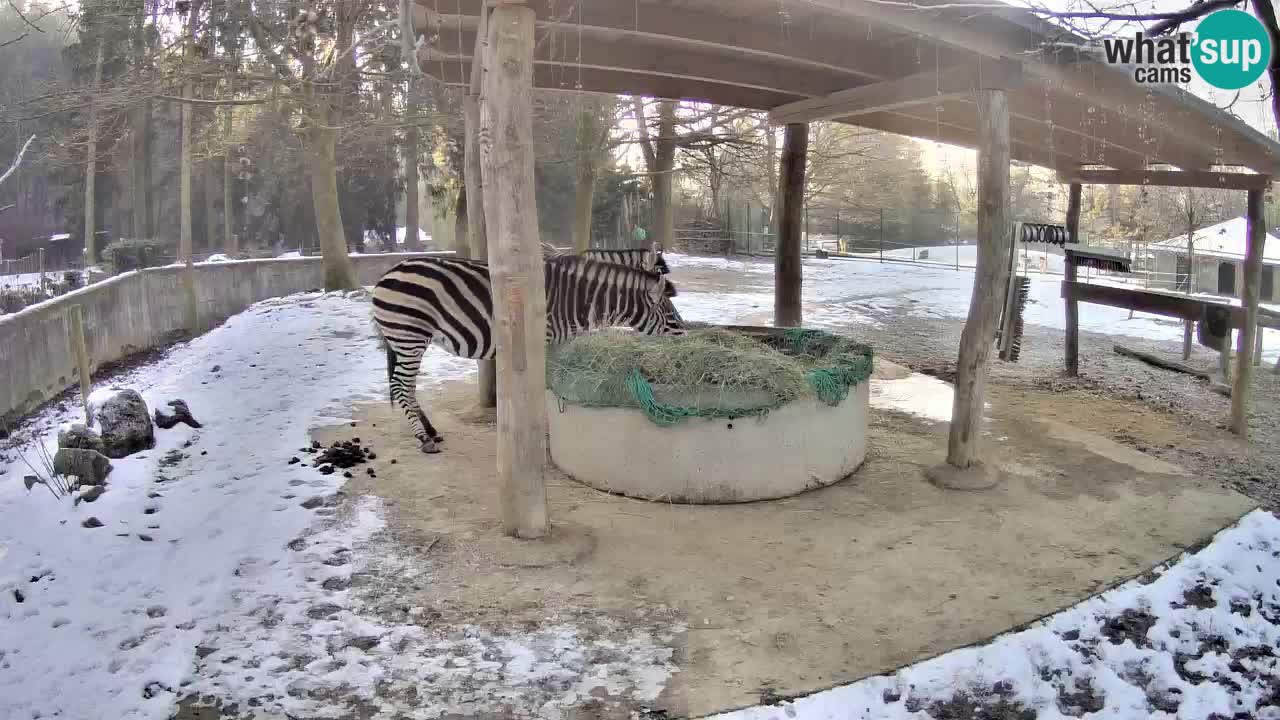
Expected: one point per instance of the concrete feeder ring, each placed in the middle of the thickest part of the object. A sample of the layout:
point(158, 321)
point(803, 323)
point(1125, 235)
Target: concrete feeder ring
point(802, 445)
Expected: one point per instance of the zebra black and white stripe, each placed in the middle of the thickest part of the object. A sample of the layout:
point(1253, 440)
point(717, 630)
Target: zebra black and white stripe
point(449, 302)
point(649, 260)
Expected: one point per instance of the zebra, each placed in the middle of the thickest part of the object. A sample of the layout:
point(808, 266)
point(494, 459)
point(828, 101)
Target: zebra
point(649, 260)
point(449, 302)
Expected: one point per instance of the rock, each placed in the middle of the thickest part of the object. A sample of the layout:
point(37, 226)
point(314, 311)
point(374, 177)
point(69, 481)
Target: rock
point(125, 424)
point(93, 493)
point(92, 522)
point(78, 437)
point(90, 466)
point(181, 414)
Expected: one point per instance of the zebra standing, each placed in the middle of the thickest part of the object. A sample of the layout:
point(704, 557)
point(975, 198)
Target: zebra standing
point(649, 260)
point(449, 302)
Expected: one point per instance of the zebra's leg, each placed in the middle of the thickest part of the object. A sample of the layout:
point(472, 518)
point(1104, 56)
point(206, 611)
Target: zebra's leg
point(404, 363)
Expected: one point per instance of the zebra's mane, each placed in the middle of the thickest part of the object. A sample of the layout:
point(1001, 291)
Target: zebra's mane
point(579, 261)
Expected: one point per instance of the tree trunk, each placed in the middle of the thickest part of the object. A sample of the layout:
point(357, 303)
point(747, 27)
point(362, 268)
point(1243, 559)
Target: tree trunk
point(990, 277)
point(230, 240)
point(91, 170)
point(474, 177)
point(664, 180)
point(411, 221)
point(1257, 238)
point(771, 165)
point(323, 166)
point(190, 311)
point(212, 188)
point(1072, 342)
point(589, 141)
point(584, 195)
point(461, 244)
point(788, 269)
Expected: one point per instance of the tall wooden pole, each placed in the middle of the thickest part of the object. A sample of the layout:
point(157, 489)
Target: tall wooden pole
point(1239, 423)
point(189, 306)
point(788, 269)
point(474, 179)
point(1073, 308)
point(989, 278)
point(516, 269)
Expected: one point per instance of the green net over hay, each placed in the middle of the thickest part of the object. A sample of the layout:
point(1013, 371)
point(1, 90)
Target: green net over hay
point(710, 373)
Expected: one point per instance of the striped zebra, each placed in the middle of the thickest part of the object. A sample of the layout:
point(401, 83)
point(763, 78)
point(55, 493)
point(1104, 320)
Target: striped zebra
point(649, 260)
point(449, 302)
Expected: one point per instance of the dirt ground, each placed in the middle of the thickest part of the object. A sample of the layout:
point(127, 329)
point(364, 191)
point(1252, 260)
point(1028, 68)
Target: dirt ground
point(783, 598)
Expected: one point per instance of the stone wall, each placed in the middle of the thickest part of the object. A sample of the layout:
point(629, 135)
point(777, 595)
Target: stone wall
point(139, 310)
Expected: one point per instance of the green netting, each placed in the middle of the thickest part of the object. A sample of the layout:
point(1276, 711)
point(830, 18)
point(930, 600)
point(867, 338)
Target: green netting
point(709, 373)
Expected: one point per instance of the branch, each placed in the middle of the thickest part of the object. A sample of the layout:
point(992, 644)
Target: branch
point(11, 41)
point(197, 101)
point(408, 42)
point(7, 207)
point(18, 160)
point(1168, 20)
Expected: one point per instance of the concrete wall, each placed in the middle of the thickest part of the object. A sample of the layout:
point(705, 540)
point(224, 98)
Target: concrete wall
point(138, 310)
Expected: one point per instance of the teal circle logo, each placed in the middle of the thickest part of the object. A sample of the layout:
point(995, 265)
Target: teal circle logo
point(1232, 49)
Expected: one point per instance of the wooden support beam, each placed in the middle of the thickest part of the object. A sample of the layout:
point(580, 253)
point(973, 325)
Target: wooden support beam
point(788, 268)
point(1239, 423)
point(1168, 178)
point(473, 176)
point(930, 86)
point(989, 278)
point(1072, 342)
point(515, 269)
point(1182, 307)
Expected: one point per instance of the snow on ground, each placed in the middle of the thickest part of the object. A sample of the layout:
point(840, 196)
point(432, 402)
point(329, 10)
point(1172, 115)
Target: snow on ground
point(917, 394)
point(839, 292)
point(208, 575)
point(1198, 642)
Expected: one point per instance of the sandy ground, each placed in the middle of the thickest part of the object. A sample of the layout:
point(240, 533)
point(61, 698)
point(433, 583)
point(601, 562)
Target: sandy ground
point(920, 337)
point(781, 598)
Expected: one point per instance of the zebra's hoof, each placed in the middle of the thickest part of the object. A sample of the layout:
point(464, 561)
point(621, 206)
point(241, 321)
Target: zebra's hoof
point(438, 439)
point(429, 447)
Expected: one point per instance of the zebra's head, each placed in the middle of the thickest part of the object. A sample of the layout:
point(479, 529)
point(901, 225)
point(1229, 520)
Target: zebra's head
point(668, 321)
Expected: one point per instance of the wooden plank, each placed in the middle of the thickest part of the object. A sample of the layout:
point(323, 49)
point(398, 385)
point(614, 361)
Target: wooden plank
point(930, 86)
point(1239, 423)
point(1161, 362)
point(516, 270)
point(1072, 342)
point(473, 176)
point(788, 269)
point(989, 278)
point(1159, 303)
point(1169, 178)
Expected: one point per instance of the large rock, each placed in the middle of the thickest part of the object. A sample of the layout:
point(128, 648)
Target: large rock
point(90, 466)
point(78, 437)
point(125, 424)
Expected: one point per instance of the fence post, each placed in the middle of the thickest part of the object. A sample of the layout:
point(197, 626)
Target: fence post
point(75, 328)
point(839, 240)
point(40, 265)
point(881, 234)
point(806, 226)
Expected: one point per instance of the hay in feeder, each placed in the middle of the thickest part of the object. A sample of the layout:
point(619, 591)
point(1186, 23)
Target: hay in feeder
point(705, 373)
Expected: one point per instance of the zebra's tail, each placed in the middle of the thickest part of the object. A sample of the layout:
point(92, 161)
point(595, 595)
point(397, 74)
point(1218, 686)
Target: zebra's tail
point(391, 355)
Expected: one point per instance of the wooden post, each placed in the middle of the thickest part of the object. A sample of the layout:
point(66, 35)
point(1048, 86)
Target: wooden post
point(1257, 347)
point(516, 269)
point(40, 263)
point(1073, 308)
point(788, 269)
point(989, 278)
point(1239, 423)
point(75, 331)
point(474, 178)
